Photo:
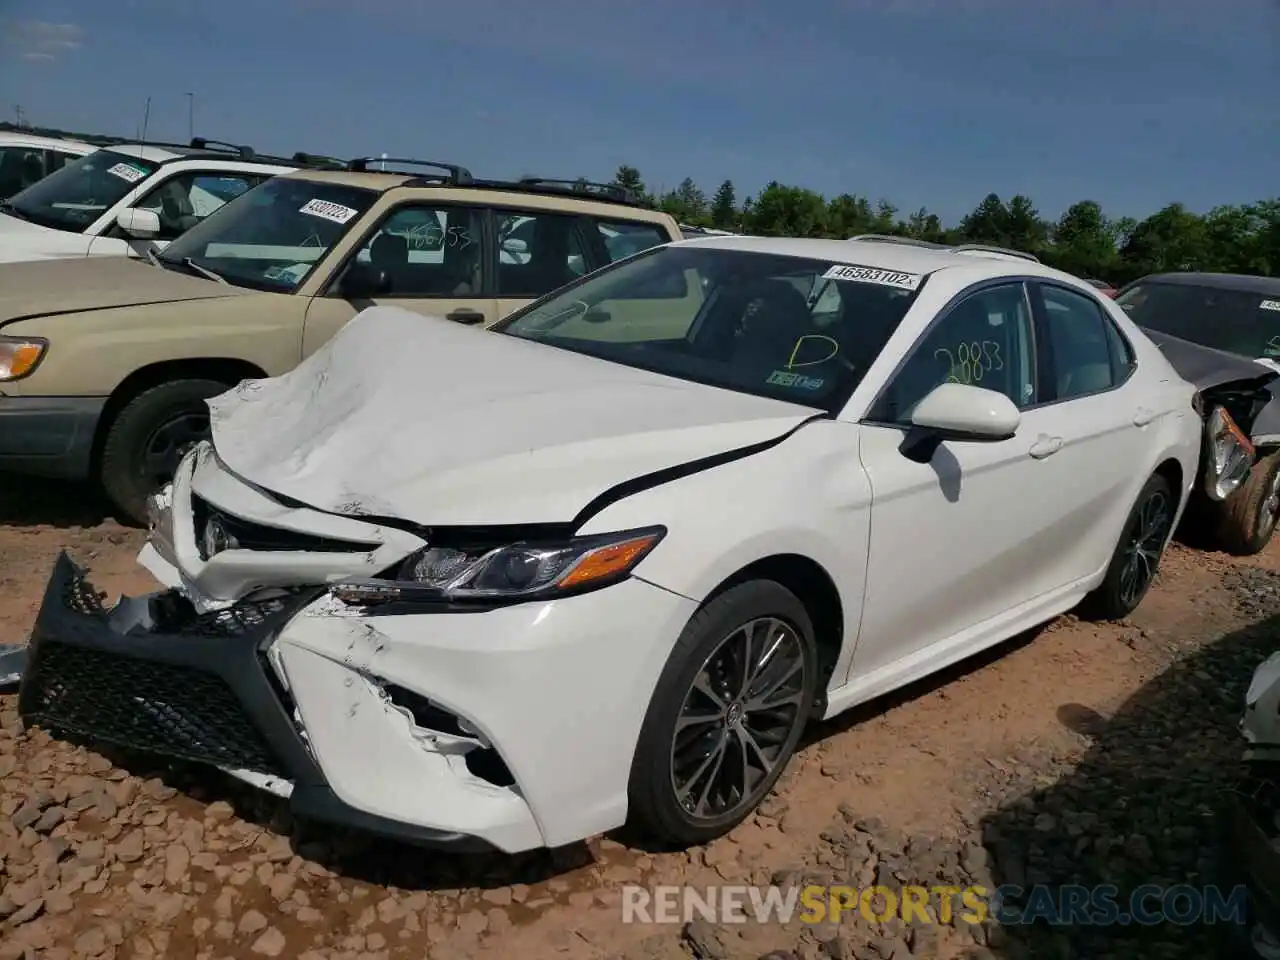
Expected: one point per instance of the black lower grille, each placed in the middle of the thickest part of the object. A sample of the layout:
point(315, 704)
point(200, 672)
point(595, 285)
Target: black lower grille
point(155, 707)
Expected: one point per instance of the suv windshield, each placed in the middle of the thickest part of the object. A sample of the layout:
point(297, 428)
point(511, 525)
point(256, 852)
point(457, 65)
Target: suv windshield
point(1237, 321)
point(758, 323)
point(271, 237)
point(75, 196)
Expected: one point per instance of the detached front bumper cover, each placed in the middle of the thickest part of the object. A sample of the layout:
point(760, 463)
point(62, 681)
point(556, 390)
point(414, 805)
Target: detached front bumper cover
point(150, 674)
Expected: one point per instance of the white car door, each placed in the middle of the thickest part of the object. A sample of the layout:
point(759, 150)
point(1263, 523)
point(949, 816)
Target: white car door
point(1102, 419)
point(971, 540)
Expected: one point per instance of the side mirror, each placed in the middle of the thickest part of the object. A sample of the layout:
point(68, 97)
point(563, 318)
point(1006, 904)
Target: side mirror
point(143, 224)
point(363, 281)
point(518, 247)
point(958, 411)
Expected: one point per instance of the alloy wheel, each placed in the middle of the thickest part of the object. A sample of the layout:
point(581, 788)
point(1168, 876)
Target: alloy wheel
point(1146, 542)
point(738, 720)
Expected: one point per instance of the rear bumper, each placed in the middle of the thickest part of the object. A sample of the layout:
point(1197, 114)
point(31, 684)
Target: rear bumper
point(48, 436)
point(205, 693)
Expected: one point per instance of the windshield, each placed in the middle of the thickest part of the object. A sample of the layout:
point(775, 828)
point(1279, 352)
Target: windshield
point(75, 196)
point(1237, 321)
point(799, 330)
point(271, 237)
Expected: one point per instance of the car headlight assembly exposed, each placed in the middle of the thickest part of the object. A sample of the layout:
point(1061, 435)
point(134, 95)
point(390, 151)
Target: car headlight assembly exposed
point(1231, 455)
point(528, 570)
point(19, 356)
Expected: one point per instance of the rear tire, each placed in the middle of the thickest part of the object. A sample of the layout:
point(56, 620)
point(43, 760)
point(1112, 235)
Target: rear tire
point(1246, 520)
point(703, 709)
point(1137, 555)
point(145, 442)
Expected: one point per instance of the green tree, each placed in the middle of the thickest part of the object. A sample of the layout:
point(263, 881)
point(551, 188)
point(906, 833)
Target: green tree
point(988, 223)
point(629, 179)
point(1084, 242)
point(724, 208)
point(1170, 239)
point(785, 211)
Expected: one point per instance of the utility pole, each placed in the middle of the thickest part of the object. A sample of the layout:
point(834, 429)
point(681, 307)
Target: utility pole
point(191, 115)
point(17, 113)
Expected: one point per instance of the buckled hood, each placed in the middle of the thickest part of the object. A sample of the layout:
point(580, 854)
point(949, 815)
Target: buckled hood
point(421, 419)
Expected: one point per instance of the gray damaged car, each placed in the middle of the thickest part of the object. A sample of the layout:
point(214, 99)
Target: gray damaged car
point(1221, 332)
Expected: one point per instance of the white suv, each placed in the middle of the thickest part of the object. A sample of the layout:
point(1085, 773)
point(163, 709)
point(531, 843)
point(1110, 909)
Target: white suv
point(26, 158)
point(126, 199)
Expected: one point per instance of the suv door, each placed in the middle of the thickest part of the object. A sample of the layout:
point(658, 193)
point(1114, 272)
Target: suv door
point(537, 251)
point(433, 255)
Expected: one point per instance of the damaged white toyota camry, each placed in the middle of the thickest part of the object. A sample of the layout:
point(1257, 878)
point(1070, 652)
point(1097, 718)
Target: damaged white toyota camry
point(515, 587)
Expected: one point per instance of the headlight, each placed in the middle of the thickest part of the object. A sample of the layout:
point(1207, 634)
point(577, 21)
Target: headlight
point(1230, 455)
point(518, 571)
point(19, 356)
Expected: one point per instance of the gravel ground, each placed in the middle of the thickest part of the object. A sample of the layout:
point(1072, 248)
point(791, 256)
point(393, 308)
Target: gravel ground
point(1082, 754)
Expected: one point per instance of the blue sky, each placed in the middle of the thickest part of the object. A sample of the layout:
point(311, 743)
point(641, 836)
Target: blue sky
point(1134, 103)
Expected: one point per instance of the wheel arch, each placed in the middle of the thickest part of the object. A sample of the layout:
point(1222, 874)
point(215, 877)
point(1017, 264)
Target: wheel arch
point(815, 588)
point(228, 370)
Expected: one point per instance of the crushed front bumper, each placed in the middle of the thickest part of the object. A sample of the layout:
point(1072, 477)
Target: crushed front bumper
point(514, 725)
point(205, 693)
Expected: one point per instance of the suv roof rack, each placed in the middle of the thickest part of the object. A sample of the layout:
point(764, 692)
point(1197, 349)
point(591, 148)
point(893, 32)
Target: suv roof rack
point(318, 161)
point(957, 248)
point(613, 191)
point(458, 176)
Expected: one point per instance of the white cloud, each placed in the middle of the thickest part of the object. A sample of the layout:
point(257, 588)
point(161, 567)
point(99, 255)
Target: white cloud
point(41, 41)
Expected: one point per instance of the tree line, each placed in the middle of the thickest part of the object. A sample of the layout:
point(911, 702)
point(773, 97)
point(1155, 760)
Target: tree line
point(1084, 241)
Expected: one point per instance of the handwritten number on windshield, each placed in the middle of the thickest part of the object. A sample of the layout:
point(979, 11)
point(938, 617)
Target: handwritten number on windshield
point(970, 362)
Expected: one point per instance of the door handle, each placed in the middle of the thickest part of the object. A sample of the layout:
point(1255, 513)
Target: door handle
point(1045, 446)
point(1143, 417)
point(469, 317)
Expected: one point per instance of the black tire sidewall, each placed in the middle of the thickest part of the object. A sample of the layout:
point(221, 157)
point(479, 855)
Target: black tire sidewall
point(126, 437)
point(1257, 538)
point(653, 804)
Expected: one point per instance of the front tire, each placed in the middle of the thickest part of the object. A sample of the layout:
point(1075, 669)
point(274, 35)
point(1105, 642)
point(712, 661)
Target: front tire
point(726, 715)
point(1137, 555)
point(147, 439)
point(1246, 520)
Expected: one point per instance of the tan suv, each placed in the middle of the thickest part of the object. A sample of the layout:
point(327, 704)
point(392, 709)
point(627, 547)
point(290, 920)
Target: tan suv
point(105, 364)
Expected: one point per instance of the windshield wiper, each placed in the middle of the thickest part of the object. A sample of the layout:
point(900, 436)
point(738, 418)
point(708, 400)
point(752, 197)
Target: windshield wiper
point(151, 257)
point(203, 271)
point(11, 210)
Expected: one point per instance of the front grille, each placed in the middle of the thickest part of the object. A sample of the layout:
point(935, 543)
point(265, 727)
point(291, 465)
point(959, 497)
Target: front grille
point(161, 708)
point(246, 616)
point(255, 536)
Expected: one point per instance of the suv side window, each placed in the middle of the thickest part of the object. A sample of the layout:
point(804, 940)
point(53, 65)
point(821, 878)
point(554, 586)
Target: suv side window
point(622, 238)
point(19, 168)
point(185, 199)
point(1079, 344)
point(537, 252)
point(428, 252)
point(986, 340)
point(57, 159)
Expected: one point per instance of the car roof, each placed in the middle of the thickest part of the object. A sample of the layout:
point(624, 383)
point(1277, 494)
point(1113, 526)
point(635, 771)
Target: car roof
point(514, 191)
point(1241, 282)
point(906, 257)
point(36, 141)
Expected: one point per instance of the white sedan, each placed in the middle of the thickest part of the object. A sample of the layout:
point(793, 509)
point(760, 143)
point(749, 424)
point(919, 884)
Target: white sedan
point(605, 560)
